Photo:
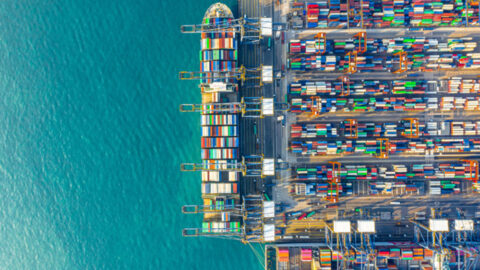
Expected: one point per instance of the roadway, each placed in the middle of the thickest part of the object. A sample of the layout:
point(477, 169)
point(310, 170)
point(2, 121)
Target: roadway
point(250, 128)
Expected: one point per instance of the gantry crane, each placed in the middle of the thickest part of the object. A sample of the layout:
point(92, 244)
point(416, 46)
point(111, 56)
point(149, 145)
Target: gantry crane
point(433, 240)
point(234, 209)
point(366, 242)
point(250, 29)
point(403, 63)
point(473, 170)
point(384, 148)
point(333, 181)
point(414, 129)
point(248, 106)
point(362, 41)
point(240, 74)
point(320, 43)
point(316, 107)
point(211, 108)
point(351, 126)
point(249, 166)
point(339, 242)
point(352, 62)
point(345, 86)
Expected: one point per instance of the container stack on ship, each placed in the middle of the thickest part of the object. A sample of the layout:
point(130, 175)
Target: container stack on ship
point(219, 142)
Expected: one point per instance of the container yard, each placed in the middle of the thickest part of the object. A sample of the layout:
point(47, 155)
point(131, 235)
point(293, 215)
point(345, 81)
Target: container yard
point(340, 134)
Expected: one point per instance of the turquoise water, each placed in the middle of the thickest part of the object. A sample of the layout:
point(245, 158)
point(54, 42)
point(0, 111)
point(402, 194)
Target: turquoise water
point(91, 138)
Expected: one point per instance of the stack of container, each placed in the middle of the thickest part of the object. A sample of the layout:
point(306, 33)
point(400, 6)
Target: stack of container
point(407, 254)
point(376, 87)
point(378, 130)
point(398, 174)
point(337, 16)
point(219, 176)
point(313, 131)
point(322, 189)
point(412, 146)
point(326, 258)
point(463, 86)
point(444, 187)
point(391, 13)
point(333, 88)
point(313, 12)
point(221, 227)
point(418, 254)
point(459, 103)
point(219, 188)
point(463, 128)
point(306, 255)
point(218, 52)
point(394, 253)
point(380, 104)
point(283, 255)
point(219, 144)
point(374, 63)
point(219, 203)
point(410, 45)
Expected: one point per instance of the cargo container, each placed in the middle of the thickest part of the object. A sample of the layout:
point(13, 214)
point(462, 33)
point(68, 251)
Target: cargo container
point(218, 119)
point(219, 188)
point(219, 131)
point(400, 174)
point(221, 227)
point(218, 50)
point(386, 14)
point(220, 142)
point(389, 63)
point(397, 146)
point(382, 46)
point(400, 128)
point(381, 104)
point(379, 88)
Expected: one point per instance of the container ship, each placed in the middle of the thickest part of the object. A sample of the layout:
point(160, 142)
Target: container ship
point(218, 54)
point(219, 142)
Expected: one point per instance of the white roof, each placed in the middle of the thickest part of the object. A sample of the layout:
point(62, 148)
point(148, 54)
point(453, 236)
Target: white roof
point(341, 226)
point(267, 106)
point(463, 225)
point(268, 167)
point(268, 209)
point(269, 232)
point(366, 226)
point(267, 74)
point(438, 225)
point(217, 87)
point(266, 27)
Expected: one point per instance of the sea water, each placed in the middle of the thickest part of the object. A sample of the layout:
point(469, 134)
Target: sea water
point(91, 137)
